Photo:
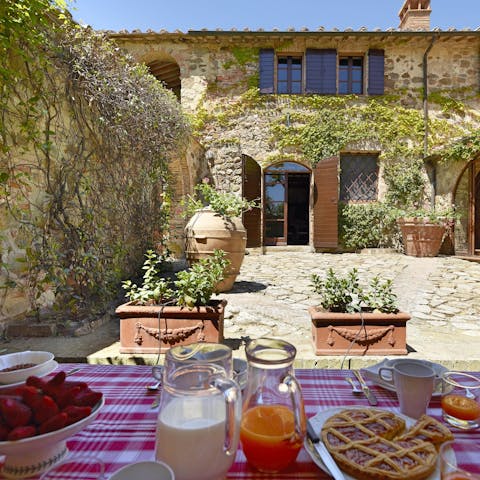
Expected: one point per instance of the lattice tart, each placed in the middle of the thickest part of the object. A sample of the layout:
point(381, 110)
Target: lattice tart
point(365, 443)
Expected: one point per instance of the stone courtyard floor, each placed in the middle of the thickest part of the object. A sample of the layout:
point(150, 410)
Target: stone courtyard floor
point(273, 292)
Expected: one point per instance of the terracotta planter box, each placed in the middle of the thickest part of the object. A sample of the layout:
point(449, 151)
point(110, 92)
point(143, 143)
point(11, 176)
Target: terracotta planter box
point(382, 334)
point(140, 326)
point(420, 237)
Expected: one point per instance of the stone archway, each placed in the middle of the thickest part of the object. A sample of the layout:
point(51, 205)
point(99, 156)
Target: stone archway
point(466, 195)
point(166, 70)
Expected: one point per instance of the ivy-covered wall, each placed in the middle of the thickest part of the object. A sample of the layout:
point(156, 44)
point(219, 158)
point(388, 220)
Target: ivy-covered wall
point(219, 73)
point(87, 139)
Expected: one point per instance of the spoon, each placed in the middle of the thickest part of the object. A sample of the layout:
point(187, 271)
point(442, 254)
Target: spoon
point(355, 389)
point(154, 387)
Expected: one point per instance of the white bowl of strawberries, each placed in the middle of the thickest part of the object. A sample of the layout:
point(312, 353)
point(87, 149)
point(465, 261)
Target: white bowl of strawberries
point(36, 419)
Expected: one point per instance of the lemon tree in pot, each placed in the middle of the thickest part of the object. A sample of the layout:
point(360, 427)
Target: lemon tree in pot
point(215, 223)
point(165, 312)
point(356, 320)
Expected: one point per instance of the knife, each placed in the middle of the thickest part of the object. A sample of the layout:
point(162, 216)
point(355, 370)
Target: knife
point(324, 454)
point(372, 399)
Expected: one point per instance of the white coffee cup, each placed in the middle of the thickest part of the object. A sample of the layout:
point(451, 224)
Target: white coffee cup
point(144, 471)
point(414, 383)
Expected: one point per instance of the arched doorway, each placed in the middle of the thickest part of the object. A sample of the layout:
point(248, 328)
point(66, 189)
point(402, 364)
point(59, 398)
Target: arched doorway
point(467, 205)
point(286, 204)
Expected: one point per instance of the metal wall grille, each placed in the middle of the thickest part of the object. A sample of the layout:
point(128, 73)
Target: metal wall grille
point(358, 178)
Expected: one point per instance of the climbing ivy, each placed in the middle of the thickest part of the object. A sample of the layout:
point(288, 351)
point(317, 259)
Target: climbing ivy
point(86, 134)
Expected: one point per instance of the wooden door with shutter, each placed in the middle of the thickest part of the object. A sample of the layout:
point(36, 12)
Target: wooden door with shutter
point(325, 204)
point(252, 190)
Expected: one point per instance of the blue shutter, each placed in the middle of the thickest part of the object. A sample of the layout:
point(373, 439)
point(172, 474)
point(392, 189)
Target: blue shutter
point(321, 71)
point(266, 69)
point(376, 72)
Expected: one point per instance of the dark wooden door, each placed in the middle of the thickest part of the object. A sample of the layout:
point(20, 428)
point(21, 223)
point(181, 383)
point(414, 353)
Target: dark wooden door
point(325, 204)
point(252, 190)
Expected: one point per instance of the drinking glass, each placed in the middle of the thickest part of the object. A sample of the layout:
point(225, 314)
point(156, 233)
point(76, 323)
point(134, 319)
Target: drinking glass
point(459, 460)
point(461, 400)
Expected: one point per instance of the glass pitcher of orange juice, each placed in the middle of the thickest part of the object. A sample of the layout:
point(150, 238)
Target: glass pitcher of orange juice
point(273, 423)
point(198, 422)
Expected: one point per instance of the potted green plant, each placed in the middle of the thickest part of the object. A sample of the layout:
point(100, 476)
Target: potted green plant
point(163, 312)
point(216, 223)
point(356, 320)
point(424, 230)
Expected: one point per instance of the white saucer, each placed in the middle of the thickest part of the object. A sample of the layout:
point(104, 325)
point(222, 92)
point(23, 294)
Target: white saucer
point(371, 373)
point(321, 417)
point(48, 368)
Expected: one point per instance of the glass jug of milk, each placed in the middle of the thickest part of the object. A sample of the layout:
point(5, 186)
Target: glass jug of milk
point(198, 422)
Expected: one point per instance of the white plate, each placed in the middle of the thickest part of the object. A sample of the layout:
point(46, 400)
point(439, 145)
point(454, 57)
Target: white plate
point(321, 417)
point(371, 373)
point(49, 367)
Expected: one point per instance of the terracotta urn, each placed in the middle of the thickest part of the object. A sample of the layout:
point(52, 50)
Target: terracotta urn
point(207, 231)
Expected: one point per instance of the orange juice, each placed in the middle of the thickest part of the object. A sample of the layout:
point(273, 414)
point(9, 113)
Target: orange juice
point(268, 437)
point(461, 407)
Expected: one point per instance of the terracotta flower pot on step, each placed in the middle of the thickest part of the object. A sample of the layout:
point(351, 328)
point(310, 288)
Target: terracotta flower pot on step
point(343, 333)
point(151, 329)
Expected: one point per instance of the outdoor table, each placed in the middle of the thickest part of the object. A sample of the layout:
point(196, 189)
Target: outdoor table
point(124, 431)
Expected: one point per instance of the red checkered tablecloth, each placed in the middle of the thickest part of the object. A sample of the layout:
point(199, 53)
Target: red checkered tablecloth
point(124, 431)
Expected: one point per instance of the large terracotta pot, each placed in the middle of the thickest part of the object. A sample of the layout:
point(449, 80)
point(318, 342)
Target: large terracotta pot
point(207, 231)
point(421, 237)
point(151, 329)
point(339, 333)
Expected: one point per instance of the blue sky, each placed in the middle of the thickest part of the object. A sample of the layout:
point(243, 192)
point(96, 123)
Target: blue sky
point(267, 14)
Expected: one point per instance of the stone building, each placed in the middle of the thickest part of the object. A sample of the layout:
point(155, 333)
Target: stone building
point(254, 96)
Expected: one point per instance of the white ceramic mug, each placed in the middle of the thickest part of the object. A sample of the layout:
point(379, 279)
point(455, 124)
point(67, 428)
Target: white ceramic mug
point(144, 471)
point(414, 384)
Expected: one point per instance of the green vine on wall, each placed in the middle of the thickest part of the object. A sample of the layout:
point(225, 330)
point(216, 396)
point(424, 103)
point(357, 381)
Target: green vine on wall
point(86, 138)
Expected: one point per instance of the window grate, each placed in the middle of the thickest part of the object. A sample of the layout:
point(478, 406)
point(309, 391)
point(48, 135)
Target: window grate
point(358, 178)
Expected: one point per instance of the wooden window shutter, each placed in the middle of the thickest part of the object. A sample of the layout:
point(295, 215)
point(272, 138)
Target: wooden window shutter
point(266, 70)
point(252, 190)
point(325, 203)
point(376, 72)
point(321, 71)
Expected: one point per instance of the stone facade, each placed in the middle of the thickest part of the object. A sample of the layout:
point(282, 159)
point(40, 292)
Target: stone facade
point(217, 68)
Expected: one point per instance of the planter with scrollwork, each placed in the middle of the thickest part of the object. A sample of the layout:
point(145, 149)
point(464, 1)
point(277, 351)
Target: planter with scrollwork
point(156, 328)
point(368, 333)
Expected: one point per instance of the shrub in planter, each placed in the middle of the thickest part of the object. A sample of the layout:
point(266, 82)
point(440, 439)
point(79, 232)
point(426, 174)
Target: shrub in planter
point(354, 319)
point(165, 312)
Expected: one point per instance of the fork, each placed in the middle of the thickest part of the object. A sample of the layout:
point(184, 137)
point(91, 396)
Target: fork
point(355, 389)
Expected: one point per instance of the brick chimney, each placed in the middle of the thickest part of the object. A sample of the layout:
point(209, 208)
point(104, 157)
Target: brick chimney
point(415, 15)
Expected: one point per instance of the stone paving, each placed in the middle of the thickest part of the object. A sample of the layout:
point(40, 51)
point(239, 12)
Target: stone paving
point(273, 292)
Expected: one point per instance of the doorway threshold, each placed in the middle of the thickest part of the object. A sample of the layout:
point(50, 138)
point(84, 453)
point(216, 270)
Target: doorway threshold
point(288, 248)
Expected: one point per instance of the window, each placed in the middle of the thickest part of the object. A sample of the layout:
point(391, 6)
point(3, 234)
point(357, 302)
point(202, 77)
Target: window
point(289, 74)
point(350, 75)
point(325, 72)
point(358, 178)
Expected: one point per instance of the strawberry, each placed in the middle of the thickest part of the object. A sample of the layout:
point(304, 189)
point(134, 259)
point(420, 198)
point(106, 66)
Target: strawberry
point(4, 430)
point(87, 398)
point(75, 413)
point(22, 432)
point(66, 396)
point(56, 422)
point(15, 413)
point(44, 409)
point(33, 381)
point(30, 395)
